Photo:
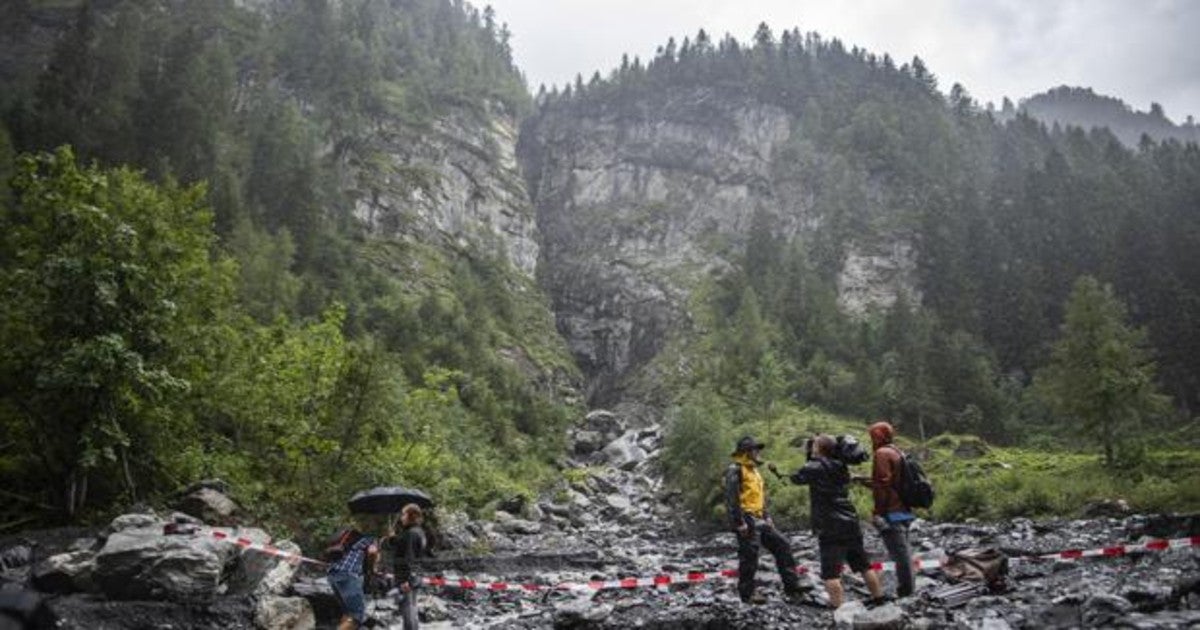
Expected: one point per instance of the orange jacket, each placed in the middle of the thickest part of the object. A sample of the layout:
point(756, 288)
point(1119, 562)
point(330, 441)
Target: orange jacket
point(886, 471)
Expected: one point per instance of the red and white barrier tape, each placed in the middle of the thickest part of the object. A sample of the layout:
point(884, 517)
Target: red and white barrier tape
point(267, 549)
point(695, 577)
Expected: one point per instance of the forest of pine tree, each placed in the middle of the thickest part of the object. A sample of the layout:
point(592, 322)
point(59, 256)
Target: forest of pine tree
point(188, 293)
point(1004, 216)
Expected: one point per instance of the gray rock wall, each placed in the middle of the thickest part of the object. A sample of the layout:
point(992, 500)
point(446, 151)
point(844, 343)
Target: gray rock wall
point(456, 182)
point(635, 205)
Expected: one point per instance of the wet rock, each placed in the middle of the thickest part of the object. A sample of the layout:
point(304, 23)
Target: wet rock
point(455, 528)
point(513, 505)
point(580, 613)
point(89, 611)
point(141, 563)
point(604, 422)
point(856, 615)
point(1104, 610)
point(65, 573)
point(431, 608)
point(507, 524)
point(618, 502)
point(586, 442)
point(134, 521)
point(263, 574)
point(284, 613)
point(624, 453)
point(320, 597)
point(210, 506)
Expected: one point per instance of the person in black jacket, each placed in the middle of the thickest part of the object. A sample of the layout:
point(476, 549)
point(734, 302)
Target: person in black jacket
point(408, 547)
point(746, 505)
point(834, 520)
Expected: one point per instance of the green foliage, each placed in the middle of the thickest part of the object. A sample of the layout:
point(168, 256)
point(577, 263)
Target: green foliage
point(104, 276)
point(1100, 377)
point(696, 451)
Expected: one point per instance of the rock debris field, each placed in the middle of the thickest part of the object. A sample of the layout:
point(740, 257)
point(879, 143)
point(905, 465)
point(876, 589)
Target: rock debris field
point(612, 523)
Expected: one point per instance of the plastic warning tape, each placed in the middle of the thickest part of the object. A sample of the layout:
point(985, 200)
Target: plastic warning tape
point(246, 543)
point(696, 577)
point(1116, 551)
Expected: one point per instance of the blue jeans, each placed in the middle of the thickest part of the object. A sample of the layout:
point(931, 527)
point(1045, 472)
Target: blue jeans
point(349, 590)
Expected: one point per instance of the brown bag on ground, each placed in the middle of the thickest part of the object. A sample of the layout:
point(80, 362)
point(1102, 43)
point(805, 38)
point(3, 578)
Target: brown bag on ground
point(986, 565)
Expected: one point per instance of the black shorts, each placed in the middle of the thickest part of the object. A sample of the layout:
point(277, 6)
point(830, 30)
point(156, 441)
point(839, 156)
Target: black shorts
point(834, 553)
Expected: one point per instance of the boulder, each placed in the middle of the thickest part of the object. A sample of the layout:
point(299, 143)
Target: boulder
point(142, 563)
point(618, 502)
point(455, 528)
point(1104, 610)
point(263, 574)
point(210, 506)
point(585, 442)
point(65, 573)
point(624, 453)
point(604, 422)
point(857, 616)
point(284, 613)
point(517, 526)
point(134, 521)
point(320, 597)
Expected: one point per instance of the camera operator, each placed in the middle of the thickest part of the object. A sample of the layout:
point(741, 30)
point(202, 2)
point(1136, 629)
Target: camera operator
point(834, 521)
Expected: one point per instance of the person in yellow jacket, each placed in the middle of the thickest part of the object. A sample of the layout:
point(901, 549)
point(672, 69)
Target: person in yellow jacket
point(746, 505)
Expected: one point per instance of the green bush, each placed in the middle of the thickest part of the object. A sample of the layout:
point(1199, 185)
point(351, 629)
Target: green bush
point(961, 500)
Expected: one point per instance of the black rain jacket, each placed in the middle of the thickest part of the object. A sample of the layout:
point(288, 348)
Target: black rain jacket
point(833, 515)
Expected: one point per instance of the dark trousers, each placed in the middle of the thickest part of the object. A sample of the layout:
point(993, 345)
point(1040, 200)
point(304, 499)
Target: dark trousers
point(408, 610)
point(769, 537)
point(895, 538)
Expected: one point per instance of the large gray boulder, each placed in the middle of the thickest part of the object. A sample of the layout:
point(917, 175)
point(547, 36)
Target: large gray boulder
point(263, 574)
point(284, 613)
point(209, 505)
point(142, 563)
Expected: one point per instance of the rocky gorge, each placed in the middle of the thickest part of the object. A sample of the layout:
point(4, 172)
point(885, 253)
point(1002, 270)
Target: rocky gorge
point(610, 518)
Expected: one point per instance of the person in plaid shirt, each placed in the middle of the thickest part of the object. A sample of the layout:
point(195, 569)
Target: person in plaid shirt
point(346, 577)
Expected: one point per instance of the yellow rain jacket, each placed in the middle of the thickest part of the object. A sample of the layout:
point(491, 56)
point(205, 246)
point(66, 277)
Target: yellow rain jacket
point(745, 492)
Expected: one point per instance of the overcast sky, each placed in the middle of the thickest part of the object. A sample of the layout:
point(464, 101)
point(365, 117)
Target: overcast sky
point(1140, 51)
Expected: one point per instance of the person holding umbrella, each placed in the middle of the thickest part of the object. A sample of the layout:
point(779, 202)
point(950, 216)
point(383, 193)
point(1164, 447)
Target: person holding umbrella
point(408, 547)
point(352, 554)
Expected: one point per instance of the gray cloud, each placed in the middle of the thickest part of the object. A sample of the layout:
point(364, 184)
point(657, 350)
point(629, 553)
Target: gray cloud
point(1141, 51)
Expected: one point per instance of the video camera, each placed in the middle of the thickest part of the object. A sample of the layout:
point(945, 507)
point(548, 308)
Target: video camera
point(846, 449)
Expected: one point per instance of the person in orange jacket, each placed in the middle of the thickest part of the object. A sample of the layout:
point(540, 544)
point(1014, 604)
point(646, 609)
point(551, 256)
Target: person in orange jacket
point(891, 516)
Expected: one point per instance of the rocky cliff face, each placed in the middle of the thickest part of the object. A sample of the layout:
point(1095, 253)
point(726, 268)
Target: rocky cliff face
point(457, 182)
point(636, 204)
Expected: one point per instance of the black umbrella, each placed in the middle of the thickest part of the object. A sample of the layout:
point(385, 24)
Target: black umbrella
point(388, 500)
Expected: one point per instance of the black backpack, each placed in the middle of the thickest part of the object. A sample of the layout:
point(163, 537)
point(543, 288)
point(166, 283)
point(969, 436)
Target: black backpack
point(915, 490)
point(340, 544)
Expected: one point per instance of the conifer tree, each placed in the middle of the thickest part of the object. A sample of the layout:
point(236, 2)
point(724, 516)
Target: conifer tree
point(1100, 377)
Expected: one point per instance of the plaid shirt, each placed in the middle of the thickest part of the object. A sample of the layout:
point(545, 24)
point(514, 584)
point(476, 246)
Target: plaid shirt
point(352, 562)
